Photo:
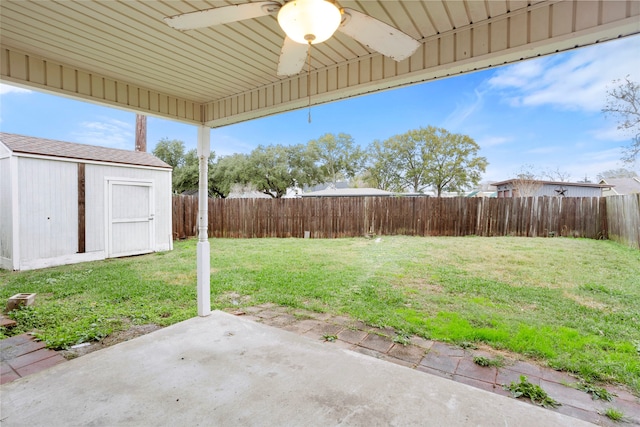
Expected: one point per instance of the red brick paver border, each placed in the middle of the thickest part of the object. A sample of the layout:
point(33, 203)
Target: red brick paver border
point(22, 355)
point(448, 361)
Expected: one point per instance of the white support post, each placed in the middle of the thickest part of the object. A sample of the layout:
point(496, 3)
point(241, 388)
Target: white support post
point(203, 249)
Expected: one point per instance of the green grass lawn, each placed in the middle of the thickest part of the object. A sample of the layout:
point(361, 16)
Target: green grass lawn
point(573, 304)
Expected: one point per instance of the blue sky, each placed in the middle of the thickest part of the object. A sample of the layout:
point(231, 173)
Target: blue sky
point(541, 114)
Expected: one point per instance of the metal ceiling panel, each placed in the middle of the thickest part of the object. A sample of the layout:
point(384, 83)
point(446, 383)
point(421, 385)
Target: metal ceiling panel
point(122, 53)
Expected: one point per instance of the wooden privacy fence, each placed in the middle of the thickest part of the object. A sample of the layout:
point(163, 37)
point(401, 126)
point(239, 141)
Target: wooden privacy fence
point(417, 216)
point(623, 219)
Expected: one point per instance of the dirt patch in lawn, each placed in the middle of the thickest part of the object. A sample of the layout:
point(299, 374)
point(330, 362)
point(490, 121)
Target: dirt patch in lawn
point(117, 337)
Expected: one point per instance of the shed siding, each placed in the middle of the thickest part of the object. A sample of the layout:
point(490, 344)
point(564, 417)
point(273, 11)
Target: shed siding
point(96, 176)
point(48, 206)
point(571, 191)
point(6, 223)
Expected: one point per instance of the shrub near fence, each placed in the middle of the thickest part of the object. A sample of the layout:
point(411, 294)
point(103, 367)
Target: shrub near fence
point(334, 217)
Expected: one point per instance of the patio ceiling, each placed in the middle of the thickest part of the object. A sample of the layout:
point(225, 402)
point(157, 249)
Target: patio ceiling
point(121, 53)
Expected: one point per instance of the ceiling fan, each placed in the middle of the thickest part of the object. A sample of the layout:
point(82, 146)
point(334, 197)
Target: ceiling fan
point(306, 22)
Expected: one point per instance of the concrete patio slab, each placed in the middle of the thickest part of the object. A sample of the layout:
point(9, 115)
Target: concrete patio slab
point(226, 370)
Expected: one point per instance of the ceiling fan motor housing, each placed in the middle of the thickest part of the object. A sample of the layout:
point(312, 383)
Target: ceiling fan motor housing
point(309, 21)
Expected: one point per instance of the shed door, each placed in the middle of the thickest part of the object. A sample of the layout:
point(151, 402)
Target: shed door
point(130, 225)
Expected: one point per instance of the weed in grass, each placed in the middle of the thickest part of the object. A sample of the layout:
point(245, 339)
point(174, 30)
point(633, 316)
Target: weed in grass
point(498, 362)
point(329, 337)
point(402, 338)
point(614, 414)
point(597, 393)
point(534, 392)
point(468, 345)
point(302, 316)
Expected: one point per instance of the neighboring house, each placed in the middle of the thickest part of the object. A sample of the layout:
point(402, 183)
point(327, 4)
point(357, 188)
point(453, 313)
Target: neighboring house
point(63, 203)
point(621, 186)
point(349, 192)
point(536, 188)
point(481, 194)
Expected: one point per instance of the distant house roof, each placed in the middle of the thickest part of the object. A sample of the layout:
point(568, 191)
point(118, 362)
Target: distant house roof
point(349, 192)
point(326, 186)
point(253, 194)
point(560, 183)
point(69, 150)
point(623, 186)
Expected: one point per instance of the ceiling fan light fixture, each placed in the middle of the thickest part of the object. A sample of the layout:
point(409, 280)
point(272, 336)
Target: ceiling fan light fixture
point(309, 21)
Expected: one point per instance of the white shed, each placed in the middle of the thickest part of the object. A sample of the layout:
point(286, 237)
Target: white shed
point(63, 203)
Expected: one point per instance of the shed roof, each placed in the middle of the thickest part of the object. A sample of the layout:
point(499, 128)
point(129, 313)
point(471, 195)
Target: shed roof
point(564, 184)
point(70, 150)
point(623, 185)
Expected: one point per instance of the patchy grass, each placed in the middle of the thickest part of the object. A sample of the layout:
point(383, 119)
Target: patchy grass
point(573, 304)
point(498, 362)
point(614, 414)
point(532, 391)
point(596, 392)
point(330, 337)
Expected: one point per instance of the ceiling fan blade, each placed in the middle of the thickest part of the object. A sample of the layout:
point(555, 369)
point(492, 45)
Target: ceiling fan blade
point(292, 57)
point(377, 35)
point(221, 15)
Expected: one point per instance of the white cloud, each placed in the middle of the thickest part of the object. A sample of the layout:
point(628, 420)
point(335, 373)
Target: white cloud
point(462, 112)
point(578, 80)
point(492, 141)
point(544, 150)
point(106, 132)
point(226, 145)
point(609, 154)
point(6, 89)
point(592, 163)
point(495, 173)
point(610, 133)
point(588, 163)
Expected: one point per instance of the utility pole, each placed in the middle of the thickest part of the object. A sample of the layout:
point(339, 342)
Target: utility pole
point(141, 133)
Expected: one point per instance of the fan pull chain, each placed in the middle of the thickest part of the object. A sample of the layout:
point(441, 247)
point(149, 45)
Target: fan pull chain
point(309, 78)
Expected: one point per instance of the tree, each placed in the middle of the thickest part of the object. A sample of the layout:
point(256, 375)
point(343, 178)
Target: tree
point(337, 156)
point(426, 157)
point(186, 177)
point(401, 162)
point(452, 158)
point(275, 168)
point(557, 175)
point(623, 101)
point(170, 151)
point(381, 172)
point(617, 173)
point(527, 183)
point(227, 173)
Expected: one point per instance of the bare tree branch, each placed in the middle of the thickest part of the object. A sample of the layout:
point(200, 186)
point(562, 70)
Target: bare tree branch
point(623, 102)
